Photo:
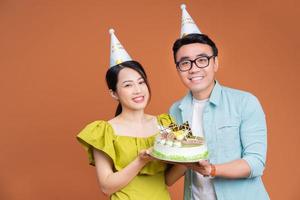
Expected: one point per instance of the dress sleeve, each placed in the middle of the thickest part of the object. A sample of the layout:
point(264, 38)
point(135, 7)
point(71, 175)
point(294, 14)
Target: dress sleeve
point(165, 119)
point(98, 135)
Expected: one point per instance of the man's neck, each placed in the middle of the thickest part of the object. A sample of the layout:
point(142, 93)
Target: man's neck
point(205, 94)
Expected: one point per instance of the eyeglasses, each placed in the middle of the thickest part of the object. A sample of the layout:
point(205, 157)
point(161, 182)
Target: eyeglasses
point(200, 62)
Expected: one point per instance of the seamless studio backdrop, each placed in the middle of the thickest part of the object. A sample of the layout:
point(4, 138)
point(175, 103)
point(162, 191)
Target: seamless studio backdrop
point(54, 55)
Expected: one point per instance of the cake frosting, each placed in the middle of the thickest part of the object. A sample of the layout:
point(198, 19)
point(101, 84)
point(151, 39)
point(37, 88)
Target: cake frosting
point(177, 143)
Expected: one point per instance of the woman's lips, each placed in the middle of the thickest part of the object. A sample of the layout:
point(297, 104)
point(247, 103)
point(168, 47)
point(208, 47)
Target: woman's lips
point(138, 99)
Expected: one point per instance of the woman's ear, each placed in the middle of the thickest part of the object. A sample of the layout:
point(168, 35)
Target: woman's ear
point(114, 95)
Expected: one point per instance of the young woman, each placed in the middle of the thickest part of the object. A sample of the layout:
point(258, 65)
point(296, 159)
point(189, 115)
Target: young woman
point(119, 147)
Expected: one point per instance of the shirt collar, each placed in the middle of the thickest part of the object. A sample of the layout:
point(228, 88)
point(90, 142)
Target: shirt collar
point(215, 95)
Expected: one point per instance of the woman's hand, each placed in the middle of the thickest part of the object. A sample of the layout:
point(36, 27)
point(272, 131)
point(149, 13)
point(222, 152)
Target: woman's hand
point(144, 155)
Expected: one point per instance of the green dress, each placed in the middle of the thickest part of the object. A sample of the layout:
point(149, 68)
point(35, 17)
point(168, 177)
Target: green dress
point(150, 182)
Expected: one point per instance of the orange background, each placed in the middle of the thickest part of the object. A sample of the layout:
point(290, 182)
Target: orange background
point(54, 55)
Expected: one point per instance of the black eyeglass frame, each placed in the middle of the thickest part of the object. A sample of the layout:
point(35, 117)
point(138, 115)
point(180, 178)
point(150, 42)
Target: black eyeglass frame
point(194, 61)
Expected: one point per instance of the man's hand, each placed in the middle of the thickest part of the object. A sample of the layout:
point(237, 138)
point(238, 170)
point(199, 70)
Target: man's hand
point(203, 167)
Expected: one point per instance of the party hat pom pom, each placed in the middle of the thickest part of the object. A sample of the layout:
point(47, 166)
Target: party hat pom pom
point(183, 6)
point(111, 31)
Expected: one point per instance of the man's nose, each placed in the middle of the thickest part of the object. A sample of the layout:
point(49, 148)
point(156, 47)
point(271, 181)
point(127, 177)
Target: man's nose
point(194, 67)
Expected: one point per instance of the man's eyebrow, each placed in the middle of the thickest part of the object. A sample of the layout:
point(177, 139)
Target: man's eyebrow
point(201, 54)
point(184, 58)
point(187, 58)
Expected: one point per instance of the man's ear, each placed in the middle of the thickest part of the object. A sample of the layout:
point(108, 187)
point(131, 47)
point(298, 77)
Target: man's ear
point(216, 63)
point(113, 94)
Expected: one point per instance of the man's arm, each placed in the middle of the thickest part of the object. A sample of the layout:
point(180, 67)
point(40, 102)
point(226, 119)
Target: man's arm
point(253, 136)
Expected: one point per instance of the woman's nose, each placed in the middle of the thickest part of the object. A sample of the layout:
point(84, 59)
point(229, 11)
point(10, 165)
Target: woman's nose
point(137, 88)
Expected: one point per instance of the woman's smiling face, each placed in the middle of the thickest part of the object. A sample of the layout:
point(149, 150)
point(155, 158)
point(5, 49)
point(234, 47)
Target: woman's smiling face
point(132, 90)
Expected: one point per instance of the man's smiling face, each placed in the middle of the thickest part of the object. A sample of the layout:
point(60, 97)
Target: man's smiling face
point(199, 80)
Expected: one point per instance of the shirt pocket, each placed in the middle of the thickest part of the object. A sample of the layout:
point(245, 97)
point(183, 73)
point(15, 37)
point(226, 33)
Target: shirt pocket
point(228, 139)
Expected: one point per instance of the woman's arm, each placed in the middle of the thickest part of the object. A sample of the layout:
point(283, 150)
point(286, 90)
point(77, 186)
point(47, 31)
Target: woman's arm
point(174, 173)
point(110, 181)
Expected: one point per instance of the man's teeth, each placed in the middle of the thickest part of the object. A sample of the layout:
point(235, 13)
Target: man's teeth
point(196, 78)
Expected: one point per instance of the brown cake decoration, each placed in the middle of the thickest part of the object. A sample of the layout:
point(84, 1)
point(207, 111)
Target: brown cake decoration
point(178, 135)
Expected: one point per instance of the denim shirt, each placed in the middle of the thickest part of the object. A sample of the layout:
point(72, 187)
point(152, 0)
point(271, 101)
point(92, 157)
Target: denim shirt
point(234, 128)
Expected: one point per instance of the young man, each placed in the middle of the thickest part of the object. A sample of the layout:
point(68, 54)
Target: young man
point(231, 121)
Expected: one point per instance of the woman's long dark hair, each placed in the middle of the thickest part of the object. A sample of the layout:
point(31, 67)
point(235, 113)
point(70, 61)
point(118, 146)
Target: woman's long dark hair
point(113, 73)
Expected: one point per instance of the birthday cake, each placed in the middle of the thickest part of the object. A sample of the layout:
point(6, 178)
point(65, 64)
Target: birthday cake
point(176, 143)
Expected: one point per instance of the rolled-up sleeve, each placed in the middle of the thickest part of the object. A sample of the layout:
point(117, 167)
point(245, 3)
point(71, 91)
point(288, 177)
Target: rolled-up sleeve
point(253, 132)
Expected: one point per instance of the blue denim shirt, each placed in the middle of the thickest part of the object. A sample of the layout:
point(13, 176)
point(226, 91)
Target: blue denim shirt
point(234, 128)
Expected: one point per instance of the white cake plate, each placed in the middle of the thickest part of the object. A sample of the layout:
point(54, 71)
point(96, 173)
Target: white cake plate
point(175, 161)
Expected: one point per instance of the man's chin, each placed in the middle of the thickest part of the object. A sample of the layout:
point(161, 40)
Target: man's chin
point(199, 91)
point(201, 88)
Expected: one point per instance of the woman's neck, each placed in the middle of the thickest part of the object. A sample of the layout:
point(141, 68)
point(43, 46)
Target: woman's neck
point(133, 116)
point(134, 123)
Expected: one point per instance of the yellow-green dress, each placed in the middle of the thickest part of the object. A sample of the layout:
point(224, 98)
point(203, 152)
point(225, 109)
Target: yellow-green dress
point(149, 184)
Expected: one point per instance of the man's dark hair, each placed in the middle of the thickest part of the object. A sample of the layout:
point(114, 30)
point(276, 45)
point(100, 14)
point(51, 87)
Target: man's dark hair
point(194, 38)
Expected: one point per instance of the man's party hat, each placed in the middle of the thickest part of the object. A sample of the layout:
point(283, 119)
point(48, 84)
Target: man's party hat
point(188, 25)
